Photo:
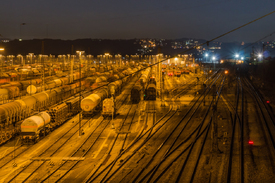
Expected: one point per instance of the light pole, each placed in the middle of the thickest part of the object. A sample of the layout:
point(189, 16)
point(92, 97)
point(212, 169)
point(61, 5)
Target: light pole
point(80, 114)
point(260, 57)
point(30, 55)
point(237, 56)
point(213, 61)
point(206, 55)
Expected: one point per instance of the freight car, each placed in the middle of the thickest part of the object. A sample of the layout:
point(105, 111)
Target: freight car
point(177, 73)
point(139, 87)
point(33, 127)
point(108, 108)
point(31, 89)
point(114, 88)
point(150, 92)
point(20, 109)
point(13, 89)
point(93, 102)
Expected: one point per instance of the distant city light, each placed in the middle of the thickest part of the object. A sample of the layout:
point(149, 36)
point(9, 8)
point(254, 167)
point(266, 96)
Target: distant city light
point(2, 49)
point(260, 55)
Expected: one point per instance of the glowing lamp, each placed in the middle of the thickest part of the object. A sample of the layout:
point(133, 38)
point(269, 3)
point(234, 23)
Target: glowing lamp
point(250, 142)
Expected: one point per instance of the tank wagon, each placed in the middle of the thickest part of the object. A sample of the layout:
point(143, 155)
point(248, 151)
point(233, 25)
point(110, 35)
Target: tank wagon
point(31, 89)
point(18, 110)
point(114, 88)
point(33, 127)
point(58, 114)
point(14, 89)
point(93, 102)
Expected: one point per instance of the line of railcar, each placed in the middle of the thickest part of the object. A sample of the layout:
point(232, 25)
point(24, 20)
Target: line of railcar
point(34, 127)
point(63, 111)
point(32, 89)
point(140, 86)
point(150, 91)
point(100, 100)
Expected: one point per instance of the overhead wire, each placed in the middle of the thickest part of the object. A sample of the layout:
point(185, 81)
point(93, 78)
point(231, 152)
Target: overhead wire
point(251, 44)
point(194, 47)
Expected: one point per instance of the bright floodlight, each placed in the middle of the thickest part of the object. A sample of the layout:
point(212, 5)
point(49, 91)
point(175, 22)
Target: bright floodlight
point(213, 58)
point(176, 58)
point(237, 55)
point(242, 58)
point(206, 55)
point(260, 55)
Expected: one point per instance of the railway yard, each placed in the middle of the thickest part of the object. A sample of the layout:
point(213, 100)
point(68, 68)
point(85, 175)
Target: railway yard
point(136, 123)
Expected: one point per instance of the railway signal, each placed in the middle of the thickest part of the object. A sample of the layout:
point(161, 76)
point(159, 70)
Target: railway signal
point(250, 142)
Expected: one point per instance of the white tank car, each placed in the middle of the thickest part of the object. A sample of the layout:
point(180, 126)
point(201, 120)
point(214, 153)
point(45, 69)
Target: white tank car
point(93, 101)
point(32, 126)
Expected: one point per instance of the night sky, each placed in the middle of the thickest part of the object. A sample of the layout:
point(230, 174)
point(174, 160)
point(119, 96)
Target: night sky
point(127, 19)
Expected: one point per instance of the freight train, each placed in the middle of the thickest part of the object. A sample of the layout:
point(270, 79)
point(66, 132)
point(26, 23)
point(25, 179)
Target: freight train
point(32, 89)
point(60, 113)
point(34, 127)
point(99, 99)
point(139, 87)
point(13, 112)
point(14, 89)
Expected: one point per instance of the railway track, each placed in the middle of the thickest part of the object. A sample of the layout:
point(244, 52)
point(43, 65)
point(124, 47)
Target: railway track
point(48, 152)
point(120, 136)
point(9, 157)
point(244, 163)
point(63, 171)
point(138, 147)
point(143, 134)
point(22, 148)
point(182, 147)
